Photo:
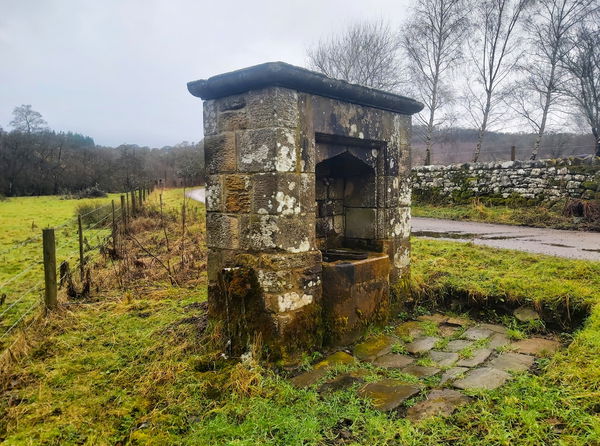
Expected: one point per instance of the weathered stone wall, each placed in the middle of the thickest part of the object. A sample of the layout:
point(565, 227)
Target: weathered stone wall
point(536, 181)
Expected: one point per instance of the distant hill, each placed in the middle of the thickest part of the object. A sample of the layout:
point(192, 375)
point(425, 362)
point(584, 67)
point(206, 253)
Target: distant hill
point(456, 145)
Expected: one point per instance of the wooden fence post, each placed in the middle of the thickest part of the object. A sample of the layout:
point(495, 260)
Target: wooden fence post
point(513, 153)
point(49, 249)
point(114, 228)
point(133, 210)
point(123, 212)
point(81, 260)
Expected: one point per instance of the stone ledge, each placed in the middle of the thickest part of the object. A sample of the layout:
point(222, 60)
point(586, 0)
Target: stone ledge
point(280, 74)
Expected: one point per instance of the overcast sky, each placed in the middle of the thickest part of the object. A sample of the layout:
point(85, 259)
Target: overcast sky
point(116, 70)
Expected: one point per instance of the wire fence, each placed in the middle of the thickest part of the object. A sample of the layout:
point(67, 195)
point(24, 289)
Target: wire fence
point(35, 286)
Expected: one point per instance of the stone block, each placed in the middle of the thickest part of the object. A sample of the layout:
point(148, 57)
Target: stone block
point(396, 191)
point(388, 394)
point(273, 107)
point(396, 223)
point(271, 149)
point(361, 223)
point(290, 261)
point(360, 192)
point(320, 190)
point(219, 153)
point(237, 193)
point(230, 121)
point(230, 103)
point(214, 193)
point(210, 118)
point(292, 234)
point(222, 231)
point(279, 194)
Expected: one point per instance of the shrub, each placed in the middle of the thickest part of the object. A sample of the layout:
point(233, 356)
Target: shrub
point(93, 212)
point(90, 192)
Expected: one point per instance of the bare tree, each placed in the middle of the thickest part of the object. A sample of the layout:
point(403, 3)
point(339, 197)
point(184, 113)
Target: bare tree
point(549, 26)
point(433, 42)
point(367, 53)
point(582, 63)
point(27, 120)
point(495, 52)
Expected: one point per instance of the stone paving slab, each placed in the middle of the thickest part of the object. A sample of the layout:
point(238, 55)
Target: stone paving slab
point(420, 371)
point(447, 331)
point(412, 329)
point(336, 358)
point(443, 359)
point(458, 345)
point(438, 403)
point(373, 348)
point(498, 340)
point(388, 394)
point(477, 333)
point(485, 378)
point(421, 345)
point(453, 373)
point(536, 346)
point(495, 328)
point(512, 362)
point(393, 361)
point(340, 382)
point(309, 378)
point(479, 356)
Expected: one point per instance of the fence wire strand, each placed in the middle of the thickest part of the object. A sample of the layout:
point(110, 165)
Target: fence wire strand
point(23, 295)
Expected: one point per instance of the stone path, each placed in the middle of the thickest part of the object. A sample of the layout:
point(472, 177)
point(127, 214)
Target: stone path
point(555, 242)
point(433, 359)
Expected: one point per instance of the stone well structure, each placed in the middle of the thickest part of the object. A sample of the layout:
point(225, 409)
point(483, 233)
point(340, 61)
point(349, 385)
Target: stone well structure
point(308, 205)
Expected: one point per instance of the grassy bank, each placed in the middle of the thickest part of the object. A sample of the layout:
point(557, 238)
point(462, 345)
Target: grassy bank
point(535, 216)
point(22, 220)
point(133, 366)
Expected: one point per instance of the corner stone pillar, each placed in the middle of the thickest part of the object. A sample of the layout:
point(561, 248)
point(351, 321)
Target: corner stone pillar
point(264, 270)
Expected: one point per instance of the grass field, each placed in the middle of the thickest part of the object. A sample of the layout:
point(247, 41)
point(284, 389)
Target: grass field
point(22, 220)
point(134, 367)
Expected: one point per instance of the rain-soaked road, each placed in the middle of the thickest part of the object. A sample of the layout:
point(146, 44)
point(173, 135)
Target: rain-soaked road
point(570, 244)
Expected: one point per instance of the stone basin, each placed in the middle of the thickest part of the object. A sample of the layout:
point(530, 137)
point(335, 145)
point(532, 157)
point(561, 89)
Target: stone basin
point(355, 294)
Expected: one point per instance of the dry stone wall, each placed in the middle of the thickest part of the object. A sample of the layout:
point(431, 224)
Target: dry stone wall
point(535, 181)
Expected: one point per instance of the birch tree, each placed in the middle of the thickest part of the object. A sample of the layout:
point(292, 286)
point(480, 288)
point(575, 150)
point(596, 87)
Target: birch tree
point(549, 28)
point(433, 42)
point(582, 63)
point(494, 50)
point(366, 53)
